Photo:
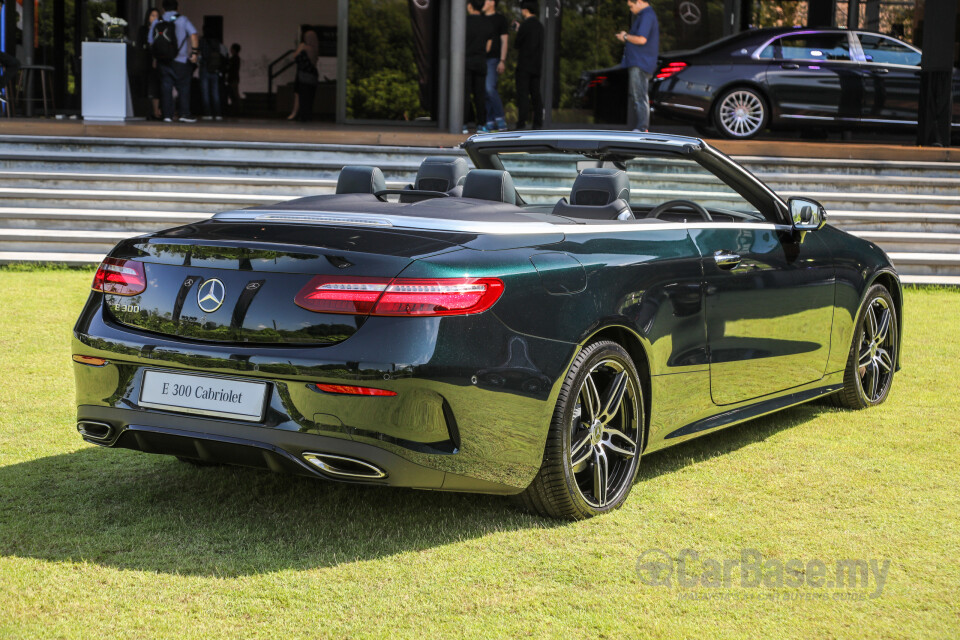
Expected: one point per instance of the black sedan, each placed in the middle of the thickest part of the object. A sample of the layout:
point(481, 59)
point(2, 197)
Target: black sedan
point(460, 335)
point(778, 78)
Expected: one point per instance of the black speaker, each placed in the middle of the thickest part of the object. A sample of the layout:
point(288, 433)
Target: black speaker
point(936, 74)
point(213, 27)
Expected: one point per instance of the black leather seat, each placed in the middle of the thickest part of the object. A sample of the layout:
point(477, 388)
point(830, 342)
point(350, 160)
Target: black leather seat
point(442, 174)
point(490, 184)
point(616, 210)
point(597, 187)
point(360, 179)
point(598, 194)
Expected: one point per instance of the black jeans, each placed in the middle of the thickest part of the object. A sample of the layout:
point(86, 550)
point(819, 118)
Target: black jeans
point(528, 87)
point(475, 82)
point(175, 74)
point(307, 93)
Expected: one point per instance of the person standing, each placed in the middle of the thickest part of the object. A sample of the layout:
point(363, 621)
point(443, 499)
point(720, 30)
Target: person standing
point(641, 47)
point(174, 43)
point(478, 43)
point(308, 77)
point(529, 45)
point(150, 75)
point(233, 79)
point(496, 65)
point(9, 72)
point(213, 57)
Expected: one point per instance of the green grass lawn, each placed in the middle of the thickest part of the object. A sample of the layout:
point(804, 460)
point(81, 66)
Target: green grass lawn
point(123, 544)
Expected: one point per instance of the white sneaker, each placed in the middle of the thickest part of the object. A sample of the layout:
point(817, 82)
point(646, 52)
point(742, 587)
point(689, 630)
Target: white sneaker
point(189, 120)
point(218, 118)
point(168, 119)
point(207, 118)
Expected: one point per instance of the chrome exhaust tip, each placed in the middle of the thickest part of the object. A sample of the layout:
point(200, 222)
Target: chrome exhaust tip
point(98, 431)
point(344, 467)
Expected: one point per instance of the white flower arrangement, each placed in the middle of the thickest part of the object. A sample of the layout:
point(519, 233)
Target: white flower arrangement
point(111, 27)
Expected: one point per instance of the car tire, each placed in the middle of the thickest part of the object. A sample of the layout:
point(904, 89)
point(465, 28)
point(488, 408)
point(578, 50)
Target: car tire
point(740, 113)
point(872, 360)
point(589, 469)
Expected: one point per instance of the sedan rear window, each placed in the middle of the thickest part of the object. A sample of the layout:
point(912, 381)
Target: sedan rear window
point(809, 46)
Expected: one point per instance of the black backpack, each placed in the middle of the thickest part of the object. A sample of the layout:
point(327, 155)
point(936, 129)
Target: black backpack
point(165, 46)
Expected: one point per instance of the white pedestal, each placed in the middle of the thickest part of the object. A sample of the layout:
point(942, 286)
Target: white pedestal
point(105, 90)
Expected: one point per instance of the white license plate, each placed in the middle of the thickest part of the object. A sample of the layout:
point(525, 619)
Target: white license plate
point(204, 395)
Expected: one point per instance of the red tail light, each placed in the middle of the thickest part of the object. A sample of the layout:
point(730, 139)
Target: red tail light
point(400, 296)
point(597, 81)
point(670, 69)
point(120, 277)
point(346, 389)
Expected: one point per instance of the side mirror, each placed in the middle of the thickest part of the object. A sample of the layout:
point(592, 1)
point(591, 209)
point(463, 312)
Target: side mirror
point(806, 215)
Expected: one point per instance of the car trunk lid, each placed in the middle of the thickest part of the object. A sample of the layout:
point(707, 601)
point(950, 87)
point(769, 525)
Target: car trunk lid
point(237, 283)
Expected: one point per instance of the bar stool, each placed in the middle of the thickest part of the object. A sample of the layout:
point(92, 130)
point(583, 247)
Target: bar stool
point(28, 72)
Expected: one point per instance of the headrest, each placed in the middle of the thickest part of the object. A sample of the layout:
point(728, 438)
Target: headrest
point(616, 210)
point(596, 187)
point(440, 173)
point(490, 184)
point(358, 179)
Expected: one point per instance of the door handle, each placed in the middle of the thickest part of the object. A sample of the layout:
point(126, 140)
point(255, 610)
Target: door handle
point(881, 70)
point(726, 259)
point(789, 65)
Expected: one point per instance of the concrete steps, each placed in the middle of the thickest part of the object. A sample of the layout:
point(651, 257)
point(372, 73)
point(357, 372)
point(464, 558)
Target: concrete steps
point(74, 197)
point(134, 221)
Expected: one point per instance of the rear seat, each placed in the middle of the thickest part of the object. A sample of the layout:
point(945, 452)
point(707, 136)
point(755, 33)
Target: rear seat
point(598, 194)
point(490, 184)
point(442, 174)
point(360, 179)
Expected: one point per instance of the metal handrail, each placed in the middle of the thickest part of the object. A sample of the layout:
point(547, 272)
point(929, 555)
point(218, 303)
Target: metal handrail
point(271, 74)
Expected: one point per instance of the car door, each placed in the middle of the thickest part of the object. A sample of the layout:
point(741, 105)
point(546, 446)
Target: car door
point(768, 291)
point(768, 301)
point(891, 80)
point(812, 75)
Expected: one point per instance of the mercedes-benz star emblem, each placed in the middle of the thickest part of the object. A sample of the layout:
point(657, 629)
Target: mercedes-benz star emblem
point(210, 295)
point(689, 12)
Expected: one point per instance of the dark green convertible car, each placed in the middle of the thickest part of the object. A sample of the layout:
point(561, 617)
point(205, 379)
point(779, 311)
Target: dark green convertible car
point(464, 334)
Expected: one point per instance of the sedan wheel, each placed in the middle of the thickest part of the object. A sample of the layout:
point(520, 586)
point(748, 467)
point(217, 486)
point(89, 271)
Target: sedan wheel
point(740, 113)
point(594, 444)
point(873, 355)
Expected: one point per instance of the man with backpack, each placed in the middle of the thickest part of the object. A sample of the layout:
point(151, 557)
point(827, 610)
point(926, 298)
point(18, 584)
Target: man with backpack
point(174, 43)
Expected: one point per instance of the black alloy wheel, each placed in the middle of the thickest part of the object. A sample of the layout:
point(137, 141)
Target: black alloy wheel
point(594, 444)
point(873, 355)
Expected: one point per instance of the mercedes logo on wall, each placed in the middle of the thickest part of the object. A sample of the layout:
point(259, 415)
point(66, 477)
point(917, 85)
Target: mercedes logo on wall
point(421, 4)
point(210, 295)
point(689, 12)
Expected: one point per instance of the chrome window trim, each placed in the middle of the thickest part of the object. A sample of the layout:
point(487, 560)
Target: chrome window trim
point(852, 42)
point(863, 56)
point(490, 228)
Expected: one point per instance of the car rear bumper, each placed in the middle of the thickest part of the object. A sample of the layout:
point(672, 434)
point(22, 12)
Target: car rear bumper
point(278, 450)
point(466, 416)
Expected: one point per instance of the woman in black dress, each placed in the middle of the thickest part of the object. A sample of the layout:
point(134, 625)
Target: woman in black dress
point(305, 86)
point(148, 65)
